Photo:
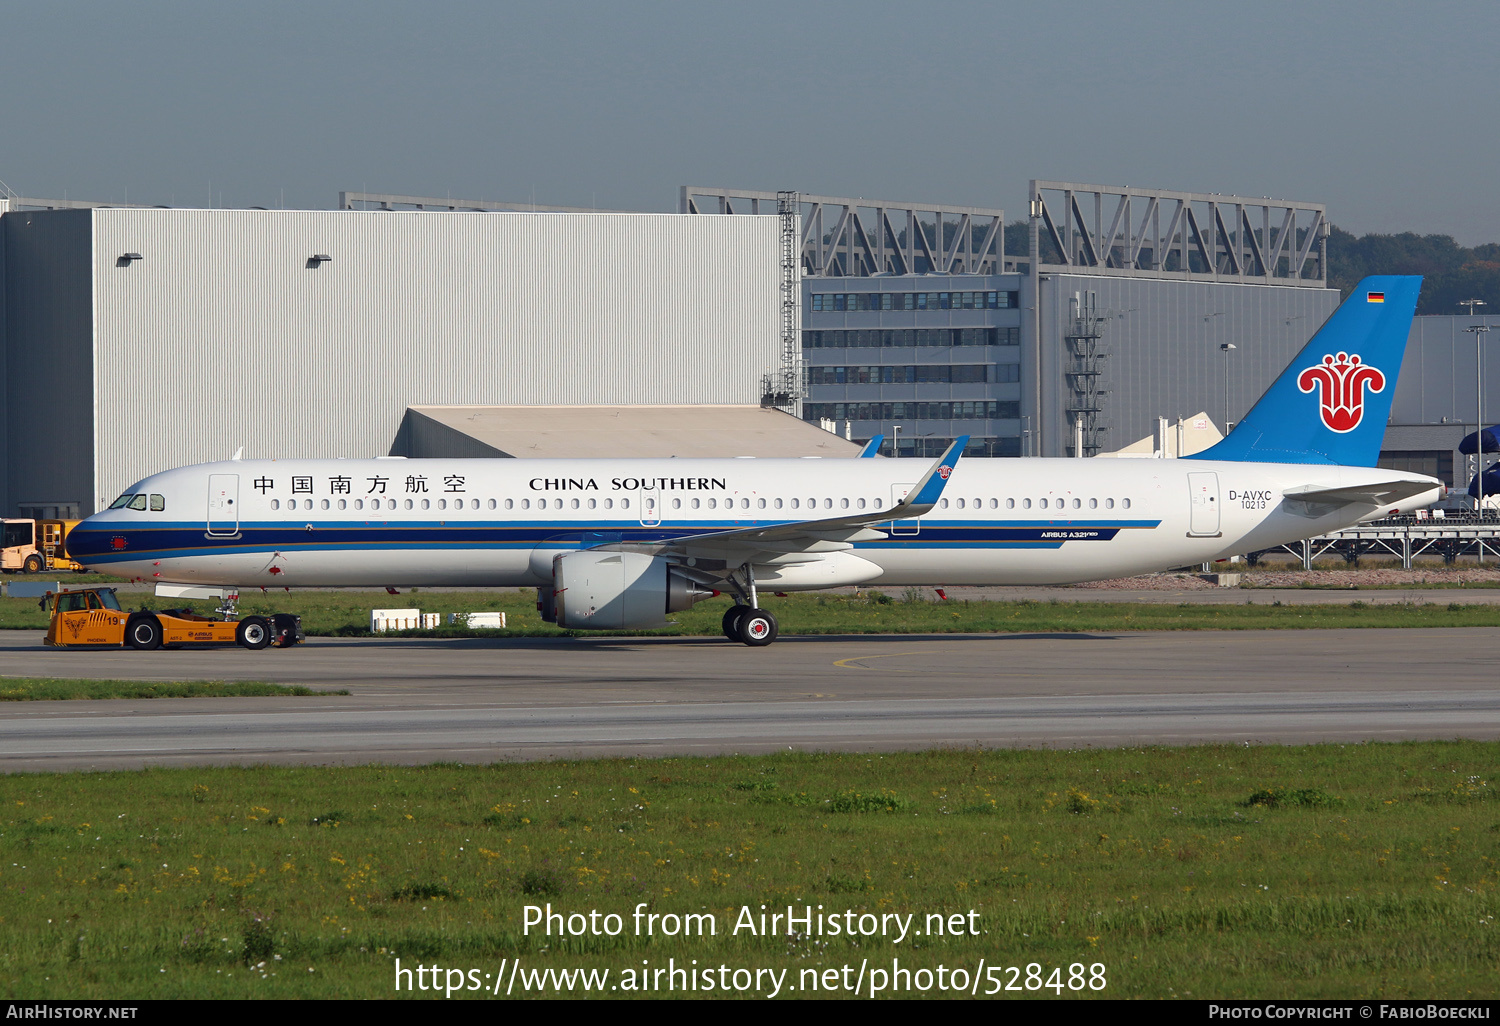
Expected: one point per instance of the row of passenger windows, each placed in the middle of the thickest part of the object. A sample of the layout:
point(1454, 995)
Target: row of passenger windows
point(823, 302)
point(979, 410)
point(882, 375)
point(910, 338)
point(138, 502)
point(1026, 503)
point(713, 502)
point(379, 504)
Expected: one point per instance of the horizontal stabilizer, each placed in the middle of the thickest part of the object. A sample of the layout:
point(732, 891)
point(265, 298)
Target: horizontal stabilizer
point(1318, 502)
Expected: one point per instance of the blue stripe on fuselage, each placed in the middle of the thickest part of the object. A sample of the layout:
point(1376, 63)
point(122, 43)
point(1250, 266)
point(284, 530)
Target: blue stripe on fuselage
point(168, 540)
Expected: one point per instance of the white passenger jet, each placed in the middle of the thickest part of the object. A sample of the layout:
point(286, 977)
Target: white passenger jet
point(624, 543)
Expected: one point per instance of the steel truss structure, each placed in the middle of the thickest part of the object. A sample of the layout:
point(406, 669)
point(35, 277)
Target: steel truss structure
point(1405, 540)
point(1153, 233)
point(846, 236)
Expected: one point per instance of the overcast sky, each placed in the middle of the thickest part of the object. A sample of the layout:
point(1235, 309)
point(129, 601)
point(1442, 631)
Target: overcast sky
point(1385, 112)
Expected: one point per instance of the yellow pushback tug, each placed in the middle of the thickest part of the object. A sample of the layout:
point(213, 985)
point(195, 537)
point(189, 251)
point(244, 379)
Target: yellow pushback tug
point(92, 616)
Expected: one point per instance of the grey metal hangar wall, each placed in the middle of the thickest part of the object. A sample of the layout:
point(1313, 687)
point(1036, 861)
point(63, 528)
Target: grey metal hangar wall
point(185, 334)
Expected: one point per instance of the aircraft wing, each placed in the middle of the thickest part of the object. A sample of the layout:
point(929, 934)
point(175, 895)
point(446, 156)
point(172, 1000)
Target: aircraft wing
point(828, 535)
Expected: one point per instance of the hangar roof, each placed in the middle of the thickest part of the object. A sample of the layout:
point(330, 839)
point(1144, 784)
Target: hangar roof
point(553, 432)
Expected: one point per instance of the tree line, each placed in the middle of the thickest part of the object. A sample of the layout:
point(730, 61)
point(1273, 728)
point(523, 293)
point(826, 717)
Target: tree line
point(1451, 272)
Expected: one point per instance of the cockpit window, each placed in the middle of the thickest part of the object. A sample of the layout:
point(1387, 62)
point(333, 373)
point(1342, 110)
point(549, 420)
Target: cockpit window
point(107, 596)
point(137, 502)
point(121, 502)
point(158, 503)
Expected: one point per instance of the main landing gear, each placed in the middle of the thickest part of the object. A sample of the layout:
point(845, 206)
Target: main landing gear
point(745, 622)
point(754, 627)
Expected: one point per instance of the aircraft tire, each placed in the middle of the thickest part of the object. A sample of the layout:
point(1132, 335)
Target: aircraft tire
point(143, 633)
point(757, 628)
point(253, 632)
point(731, 622)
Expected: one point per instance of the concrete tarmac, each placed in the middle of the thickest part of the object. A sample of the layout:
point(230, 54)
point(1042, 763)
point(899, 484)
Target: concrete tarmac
point(484, 700)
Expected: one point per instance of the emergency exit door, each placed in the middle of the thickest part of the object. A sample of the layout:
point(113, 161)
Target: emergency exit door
point(1204, 517)
point(223, 504)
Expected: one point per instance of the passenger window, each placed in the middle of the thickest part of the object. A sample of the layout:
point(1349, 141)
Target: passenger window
point(994, 504)
point(1124, 503)
point(325, 503)
point(425, 504)
point(877, 503)
point(358, 504)
point(525, 503)
point(307, 504)
point(843, 504)
point(695, 503)
point(624, 503)
point(408, 504)
point(760, 503)
point(1025, 503)
point(443, 504)
point(509, 504)
point(778, 503)
point(1093, 504)
point(1109, 503)
point(343, 504)
point(1010, 503)
point(796, 504)
point(275, 503)
point(959, 503)
point(713, 503)
point(861, 503)
point(744, 504)
point(609, 503)
point(1042, 503)
point(828, 504)
point(943, 503)
point(1077, 503)
point(138, 502)
point(158, 503)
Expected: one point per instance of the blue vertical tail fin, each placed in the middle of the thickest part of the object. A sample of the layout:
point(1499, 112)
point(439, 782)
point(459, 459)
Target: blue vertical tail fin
point(1331, 405)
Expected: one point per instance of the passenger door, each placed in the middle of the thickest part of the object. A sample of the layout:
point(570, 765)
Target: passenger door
point(1203, 490)
point(223, 505)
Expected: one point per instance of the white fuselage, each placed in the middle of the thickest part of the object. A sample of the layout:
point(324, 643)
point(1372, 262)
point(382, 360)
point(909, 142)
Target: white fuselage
point(499, 522)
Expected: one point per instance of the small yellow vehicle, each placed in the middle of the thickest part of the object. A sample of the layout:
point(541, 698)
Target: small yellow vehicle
point(34, 546)
point(93, 616)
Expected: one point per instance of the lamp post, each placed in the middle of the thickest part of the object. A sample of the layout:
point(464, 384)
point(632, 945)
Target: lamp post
point(1225, 347)
point(1478, 331)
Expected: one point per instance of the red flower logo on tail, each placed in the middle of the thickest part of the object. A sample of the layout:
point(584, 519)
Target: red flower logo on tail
point(1342, 380)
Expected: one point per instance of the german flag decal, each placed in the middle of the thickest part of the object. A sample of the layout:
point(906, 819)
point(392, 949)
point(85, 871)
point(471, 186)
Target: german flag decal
point(1375, 297)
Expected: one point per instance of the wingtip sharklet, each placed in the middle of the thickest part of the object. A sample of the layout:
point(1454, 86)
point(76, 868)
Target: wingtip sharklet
point(931, 486)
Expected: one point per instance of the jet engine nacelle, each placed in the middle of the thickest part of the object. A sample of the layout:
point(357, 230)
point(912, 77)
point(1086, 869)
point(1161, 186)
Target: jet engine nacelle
point(619, 590)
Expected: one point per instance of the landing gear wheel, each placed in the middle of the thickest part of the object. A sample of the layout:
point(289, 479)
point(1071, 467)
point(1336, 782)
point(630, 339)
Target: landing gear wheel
point(33, 564)
point(732, 621)
point(756, 628)
point(253, 632)
point(144, 634)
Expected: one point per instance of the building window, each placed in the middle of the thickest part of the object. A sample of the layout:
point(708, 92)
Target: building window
point(979, 409)
point(910, 338)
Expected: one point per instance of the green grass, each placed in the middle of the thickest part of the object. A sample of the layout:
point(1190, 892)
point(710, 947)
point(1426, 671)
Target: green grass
point(34, 689)
point(347, 614)
point(1269, 872)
